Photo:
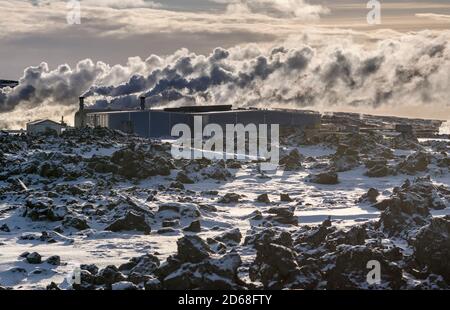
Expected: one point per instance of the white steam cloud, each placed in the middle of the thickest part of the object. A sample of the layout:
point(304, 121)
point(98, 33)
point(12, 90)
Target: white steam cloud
point(410, 73)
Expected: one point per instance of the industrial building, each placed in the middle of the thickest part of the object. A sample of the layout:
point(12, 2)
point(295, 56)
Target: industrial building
point(8, 83)
point(44, 126)
point(158, 123)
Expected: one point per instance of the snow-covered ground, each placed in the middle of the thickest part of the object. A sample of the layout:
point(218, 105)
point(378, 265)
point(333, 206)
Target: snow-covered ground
point(312, 204)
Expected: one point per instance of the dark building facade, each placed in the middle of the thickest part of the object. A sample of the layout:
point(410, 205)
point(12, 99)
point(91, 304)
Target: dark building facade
point(159, 123)
point(8, 83)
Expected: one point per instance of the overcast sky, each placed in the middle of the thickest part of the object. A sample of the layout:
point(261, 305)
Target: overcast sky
point(30, 34)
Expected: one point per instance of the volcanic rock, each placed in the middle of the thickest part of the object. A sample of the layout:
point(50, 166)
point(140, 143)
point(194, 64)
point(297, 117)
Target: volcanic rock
point(263, 198)
point(285, 198)
point(327, 178)
point(233, 236)
point(75, 222)
point(184, 178)
point(283, 215)
point(131, 221)
point(194, 227)
point(230, 198)
point(432, 246)
point(34, 258)
point(54, 260)
point(415, 162)
point(192, 249)
point(292, 161)
point(371, 196)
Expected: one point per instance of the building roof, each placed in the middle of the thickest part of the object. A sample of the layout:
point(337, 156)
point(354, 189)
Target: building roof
point(199, 111)
point(200, 108)
point(39, 121)
point(8, 83)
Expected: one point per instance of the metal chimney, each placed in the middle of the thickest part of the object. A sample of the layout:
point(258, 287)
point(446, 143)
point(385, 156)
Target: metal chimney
point(142, 103)
point(81, 103)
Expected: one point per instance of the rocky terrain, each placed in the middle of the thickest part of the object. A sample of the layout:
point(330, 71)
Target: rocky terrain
point(118, 212)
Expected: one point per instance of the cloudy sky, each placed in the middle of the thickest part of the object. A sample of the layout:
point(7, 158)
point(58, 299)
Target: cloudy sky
point(329, 55)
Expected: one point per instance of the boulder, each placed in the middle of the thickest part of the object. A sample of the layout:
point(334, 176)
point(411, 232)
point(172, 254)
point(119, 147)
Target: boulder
point(292, 161)
point(405, 141)
point(315, 236)
point(356, 235)
point(420, 193)
point(139, 268)
point(124, 286)
point(233, 236)
point(415, 162)
point(346, 158)
point(230, 198)
point(184, 178)
point(327, 178)
point(102, 165)
point(282, 215)
point(92, 269)
point(52, 287)
point(378, 171)
point(263, 198)
point(174, 211)
point(34, 258)
point(432, 246)
point(170, 223)
point(54, 260)
point(42, 209)
point(153, 284)
point(108, 276)
point(234, 164)
point(348, 269)
point(217, 171)
point(209, 274)
point(402, 214)
point(371, 196)
point(75, 222)
point(130, 222)
point(51, 171)
point(275, 265)
point(192, 249)
point(177, 185)
point(136, 164)
point(193, 227)
point(285, 198)
point(268, 235)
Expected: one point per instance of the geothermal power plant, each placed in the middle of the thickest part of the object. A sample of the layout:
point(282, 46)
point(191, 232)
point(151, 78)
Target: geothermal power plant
point(157, 123)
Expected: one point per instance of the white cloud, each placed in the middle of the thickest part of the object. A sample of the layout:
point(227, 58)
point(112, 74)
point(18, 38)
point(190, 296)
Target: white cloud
point(121, 4)
point(116, 4)
point(299, 9)
point(438, 17)
point(18, 17)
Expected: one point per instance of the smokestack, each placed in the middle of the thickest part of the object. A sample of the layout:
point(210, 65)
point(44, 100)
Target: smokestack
point(142, 103)
point(81, 103)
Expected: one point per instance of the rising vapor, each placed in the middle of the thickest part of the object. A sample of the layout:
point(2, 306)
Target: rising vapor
point(410, 70)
